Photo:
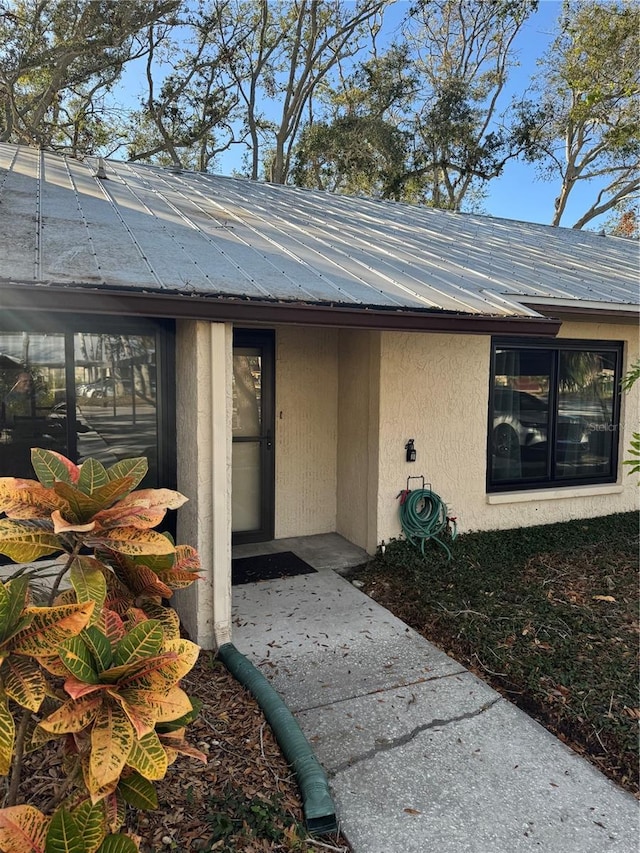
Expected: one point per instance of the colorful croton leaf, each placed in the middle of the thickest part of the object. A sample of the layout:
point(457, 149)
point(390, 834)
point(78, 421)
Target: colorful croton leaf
point(120, 687)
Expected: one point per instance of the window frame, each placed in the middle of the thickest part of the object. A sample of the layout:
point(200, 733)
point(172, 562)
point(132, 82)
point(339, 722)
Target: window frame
point(69, 324)
point(555, 347)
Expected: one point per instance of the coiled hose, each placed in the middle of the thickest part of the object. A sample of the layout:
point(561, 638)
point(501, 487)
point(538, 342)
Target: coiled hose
point(423, 516)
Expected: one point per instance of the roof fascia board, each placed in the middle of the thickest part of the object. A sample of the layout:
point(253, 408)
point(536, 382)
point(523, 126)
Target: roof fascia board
point(30, 297)
point(568, 307)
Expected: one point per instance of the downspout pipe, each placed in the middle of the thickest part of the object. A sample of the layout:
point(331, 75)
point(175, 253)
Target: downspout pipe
point(319, 809)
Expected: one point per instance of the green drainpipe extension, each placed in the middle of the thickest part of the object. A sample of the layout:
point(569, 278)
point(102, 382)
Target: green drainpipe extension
point(318, 806)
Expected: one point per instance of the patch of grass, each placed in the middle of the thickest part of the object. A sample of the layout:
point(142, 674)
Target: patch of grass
point(547, 614)
point(237, 819)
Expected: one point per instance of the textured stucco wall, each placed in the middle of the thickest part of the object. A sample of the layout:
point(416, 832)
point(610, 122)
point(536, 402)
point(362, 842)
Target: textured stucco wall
point(203, 422)
point(434, 388)
point(306, 430)
point(358, 401)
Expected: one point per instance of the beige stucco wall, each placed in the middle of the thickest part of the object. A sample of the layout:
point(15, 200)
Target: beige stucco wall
point(306, 430)
point(203, 425)
point(358, 410)
point(434, 388)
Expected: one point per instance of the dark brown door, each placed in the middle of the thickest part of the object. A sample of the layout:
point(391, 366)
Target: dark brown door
point(253, 469)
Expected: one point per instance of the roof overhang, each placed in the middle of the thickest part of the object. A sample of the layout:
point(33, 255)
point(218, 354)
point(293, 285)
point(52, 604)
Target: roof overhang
point(582, 310)
point(29, 297)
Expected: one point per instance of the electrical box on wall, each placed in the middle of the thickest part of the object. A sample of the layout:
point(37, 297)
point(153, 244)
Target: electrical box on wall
point(411, 451)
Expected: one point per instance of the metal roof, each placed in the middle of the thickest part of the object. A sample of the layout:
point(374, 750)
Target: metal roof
point(150, 229)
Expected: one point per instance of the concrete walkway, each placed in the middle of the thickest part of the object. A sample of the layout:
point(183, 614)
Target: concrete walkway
point(421, 755)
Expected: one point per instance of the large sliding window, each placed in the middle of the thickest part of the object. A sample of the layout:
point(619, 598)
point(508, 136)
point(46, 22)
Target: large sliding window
point(87, 387)
point(553, 413)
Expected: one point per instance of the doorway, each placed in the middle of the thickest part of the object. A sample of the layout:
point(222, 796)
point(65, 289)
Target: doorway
point(253, 468)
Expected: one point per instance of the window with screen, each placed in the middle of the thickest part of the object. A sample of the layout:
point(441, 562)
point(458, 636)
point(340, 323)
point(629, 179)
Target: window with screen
point(553, 413)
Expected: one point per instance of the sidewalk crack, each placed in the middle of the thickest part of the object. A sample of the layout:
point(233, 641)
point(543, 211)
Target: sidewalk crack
point(389, 745)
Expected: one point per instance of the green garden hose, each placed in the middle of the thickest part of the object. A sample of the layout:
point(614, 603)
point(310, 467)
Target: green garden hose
point(423, 516)
point(319, 809)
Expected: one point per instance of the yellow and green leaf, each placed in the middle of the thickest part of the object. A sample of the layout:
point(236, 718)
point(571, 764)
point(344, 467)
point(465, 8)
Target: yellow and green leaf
point(142, 642)
point(51, 466)
point(51, 626)
point(64, 835)
point(23, 542)
point(148, 757)
point(92, 823)
point(93, 475)
point(77, 658)
point(88, 580)
point(166, 616)
point(138, 792)
point(113, 491)
point(72, 716)
point(135, 469)
point(112, 738)
point(27, 499)
point(118, 844)
point(13, 598)
point(7, 734)
point(99, 646)
point(82, 506)
point(23, 829)
point(141, 716)
point(24, 682)
point(130, 540)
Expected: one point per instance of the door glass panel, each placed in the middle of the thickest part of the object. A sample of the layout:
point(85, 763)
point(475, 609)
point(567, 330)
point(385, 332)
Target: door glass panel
point(519, 430)
point(116, 398)
point(246, 491)
point(32, 399)
point(585, 430)
point(247, 391)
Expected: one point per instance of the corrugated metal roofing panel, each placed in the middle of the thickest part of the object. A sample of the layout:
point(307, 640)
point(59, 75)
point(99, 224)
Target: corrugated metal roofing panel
point(149, 228)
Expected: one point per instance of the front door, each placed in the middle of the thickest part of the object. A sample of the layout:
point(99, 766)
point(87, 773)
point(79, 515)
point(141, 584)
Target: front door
point(253, 426)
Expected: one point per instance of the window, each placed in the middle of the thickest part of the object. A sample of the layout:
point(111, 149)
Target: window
point(87, 387)
point(553, 413)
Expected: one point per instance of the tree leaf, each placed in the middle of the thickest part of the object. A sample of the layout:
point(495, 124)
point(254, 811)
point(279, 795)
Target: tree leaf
point(83, 507)
point(27, 499)
point(117, 844)
point(130, 540)
point(135, 469)
point(113, 491)
point(77, 658)
point(88, 580)
point(51, 626)
point(112, 738)
point(64, 835)
point(23, 829)
point(143, 641)
point(91, 820)
point(93, 475)
point(13, 598)
point(72, 716)
point(148, 757)
point(24, 543)
point(99, 646)
point(7, 735)
point(51, 467)
point(24, 682)
point(138, 792)
point(61, 525)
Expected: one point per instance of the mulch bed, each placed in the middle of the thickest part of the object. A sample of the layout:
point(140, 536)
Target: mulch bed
point(245, 799)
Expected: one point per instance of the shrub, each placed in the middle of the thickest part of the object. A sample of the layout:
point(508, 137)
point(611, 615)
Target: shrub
point(98, 667)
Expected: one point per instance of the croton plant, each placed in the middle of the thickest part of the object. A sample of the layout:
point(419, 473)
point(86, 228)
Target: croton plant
point(99, 667)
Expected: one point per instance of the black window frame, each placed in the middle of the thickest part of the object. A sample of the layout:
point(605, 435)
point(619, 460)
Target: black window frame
point(69, 324)
point(555, 347)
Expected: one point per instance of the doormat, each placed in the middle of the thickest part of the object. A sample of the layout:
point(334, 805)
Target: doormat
point(267, 567)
